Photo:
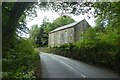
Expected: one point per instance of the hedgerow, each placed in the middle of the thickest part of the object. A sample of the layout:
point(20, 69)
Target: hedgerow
point(101, 49)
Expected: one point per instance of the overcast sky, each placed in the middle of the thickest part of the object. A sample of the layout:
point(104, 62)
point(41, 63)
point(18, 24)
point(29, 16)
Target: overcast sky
point(52, 16)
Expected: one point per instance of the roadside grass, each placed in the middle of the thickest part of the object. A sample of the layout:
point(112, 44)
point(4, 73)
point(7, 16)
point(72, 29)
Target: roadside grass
point(38, 70)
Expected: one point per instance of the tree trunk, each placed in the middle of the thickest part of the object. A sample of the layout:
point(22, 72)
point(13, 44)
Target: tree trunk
point(10, 28)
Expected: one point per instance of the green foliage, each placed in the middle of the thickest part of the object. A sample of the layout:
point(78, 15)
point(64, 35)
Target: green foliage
point(97, 47)
point(67, 46)
point(109, 11)
point(13, 22)
point(19, 57)
point(6, 10)
point(61, 21)
point(25, 46)
point(21, 61)
point(61, 7)
point(42, 38)
point(111, 36)
point(99, 24)
point(40, 35)
point(33, 34)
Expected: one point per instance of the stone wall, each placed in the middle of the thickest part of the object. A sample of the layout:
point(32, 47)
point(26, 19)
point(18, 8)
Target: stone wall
point(80, 28)
point(68, 35)
point(61, 37)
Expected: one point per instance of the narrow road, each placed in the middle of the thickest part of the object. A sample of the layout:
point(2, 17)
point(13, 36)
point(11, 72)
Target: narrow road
point(54, 66)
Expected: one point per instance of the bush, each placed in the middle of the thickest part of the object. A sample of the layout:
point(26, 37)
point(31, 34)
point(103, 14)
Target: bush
point(21, 61)
point(100, 48)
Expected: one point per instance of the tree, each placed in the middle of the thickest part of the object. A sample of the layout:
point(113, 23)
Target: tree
point(61, 21)
point(14, 11)
point(46, 27)
point(12, 14)
point(16, 49)
point(100, 26)
point(108, 11)
point(63, 8)
point(42, 38)
point(34, 33)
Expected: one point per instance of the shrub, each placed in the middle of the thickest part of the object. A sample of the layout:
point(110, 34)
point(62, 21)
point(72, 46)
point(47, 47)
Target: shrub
point(21, 61)
point(100, 48)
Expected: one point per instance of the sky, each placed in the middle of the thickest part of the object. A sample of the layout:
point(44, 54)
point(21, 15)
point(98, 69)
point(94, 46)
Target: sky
point(52, 16)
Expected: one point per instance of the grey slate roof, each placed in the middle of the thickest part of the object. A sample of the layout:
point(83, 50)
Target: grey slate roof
point(66, 26)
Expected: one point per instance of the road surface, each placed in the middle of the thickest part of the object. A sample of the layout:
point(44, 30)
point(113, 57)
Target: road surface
point(54, 66)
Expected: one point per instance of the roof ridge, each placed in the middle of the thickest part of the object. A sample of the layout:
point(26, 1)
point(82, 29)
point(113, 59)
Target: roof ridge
point(66, 26)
